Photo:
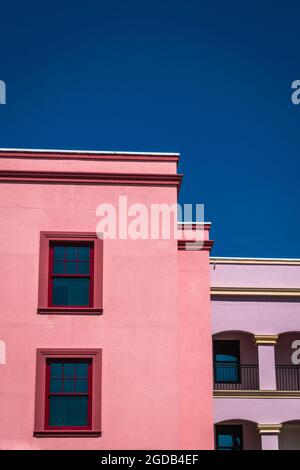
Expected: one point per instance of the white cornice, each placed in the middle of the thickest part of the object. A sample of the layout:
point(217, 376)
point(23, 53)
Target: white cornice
point(94, 152)
point(262, 261)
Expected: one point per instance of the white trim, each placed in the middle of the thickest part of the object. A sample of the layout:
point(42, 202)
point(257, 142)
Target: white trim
point(96, 152)
point(233, 258)
point(194, 223)
point(228, 260)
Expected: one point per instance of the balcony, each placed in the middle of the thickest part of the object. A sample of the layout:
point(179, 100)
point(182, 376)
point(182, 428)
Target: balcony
point(288, 377)
point(236, 376)
point(239, 367)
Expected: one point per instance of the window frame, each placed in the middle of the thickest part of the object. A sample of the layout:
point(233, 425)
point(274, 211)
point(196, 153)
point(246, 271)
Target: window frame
point(41, 425)
point(235, 365)
point(44, 292)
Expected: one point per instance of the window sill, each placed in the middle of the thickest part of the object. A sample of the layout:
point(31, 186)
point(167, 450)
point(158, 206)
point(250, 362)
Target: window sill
point(69, 311)
point(67, 433)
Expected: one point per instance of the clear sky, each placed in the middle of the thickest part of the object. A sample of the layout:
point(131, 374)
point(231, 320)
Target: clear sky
point(209, 79)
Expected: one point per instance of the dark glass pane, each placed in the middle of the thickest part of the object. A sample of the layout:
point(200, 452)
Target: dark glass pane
point(59, 252)
point(84, 253)
point(71, 291)
point(56, 369)
point(83, 267)
point(69, 385)
point(68, 411)
point(71, 267)
point(81, 369)
point(225, 441)
point(71, 253)
point(69, 369)
point(58, 267)
point(226, 350)
point(56, 385)
point(226, 358)
point(81, 385)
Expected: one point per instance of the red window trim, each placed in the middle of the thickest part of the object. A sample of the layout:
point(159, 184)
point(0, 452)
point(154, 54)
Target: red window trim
point(44, 302)
point(41, 428)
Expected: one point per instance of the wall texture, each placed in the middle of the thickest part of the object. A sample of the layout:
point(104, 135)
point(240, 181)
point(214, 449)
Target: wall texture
point(154, 328)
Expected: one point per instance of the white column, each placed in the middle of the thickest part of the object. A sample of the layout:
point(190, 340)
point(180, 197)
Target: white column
point(266, 361)
point(269, 434)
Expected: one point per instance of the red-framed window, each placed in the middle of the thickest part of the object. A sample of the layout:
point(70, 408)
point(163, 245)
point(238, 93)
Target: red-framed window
point(71, 274)
point(68, 394)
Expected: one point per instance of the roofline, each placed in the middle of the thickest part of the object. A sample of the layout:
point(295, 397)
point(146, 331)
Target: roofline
point(266, 261)
point(90, 152)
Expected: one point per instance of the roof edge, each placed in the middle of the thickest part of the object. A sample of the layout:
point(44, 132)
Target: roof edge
point(90, 152)
point(265, 261)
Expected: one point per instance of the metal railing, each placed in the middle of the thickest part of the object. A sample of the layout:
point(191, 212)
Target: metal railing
point(229, 376)
point(288, 377)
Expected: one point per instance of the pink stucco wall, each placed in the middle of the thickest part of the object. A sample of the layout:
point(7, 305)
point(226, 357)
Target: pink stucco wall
point(258, 410)
point(195, 350)
point(154, 332)
point(255, 275)
point(258, 315)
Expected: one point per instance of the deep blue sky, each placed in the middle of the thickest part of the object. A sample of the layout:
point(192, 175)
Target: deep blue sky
point(208, 79)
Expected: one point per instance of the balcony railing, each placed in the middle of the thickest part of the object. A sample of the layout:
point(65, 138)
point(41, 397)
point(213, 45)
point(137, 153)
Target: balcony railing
point(236, 376)
point(288, 377)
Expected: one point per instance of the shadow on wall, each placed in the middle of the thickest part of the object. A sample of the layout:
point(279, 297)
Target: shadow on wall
point(289, 437)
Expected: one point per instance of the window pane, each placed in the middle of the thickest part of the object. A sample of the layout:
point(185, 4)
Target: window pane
point(59, 252)
point(84, 253)
point(81, 369)
point(58, 267)
point(225, 440)
point(69, 385)
point(68, 411)
point(69, 369)
point(226, 358)
point(55, 385)
point(81, 385)
point(71, 253)
point(56, 369)
point(71, 291)
point(226, 350)
point(83, 267)
point(71, 267)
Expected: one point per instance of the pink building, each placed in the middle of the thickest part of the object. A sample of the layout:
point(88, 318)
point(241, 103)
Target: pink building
point(256, 349)
point(135, 342)
point(102, 343)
